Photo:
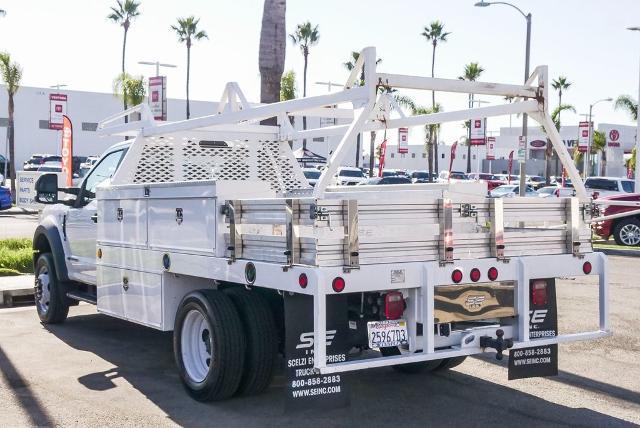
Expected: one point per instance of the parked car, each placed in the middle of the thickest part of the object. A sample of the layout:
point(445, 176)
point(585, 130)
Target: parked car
point(445, 177)
point(5, 198)
point(608, 186)
point(312, 175)
point(625, 230)
point(349, 176)
point(556, 191)
point(393, 179)
point(511, 190)
point(421, 177)
point(508, 179)
point(491, 180)
point(37, 160)
point(536, 181)
point(4, 161)
point(50, 167)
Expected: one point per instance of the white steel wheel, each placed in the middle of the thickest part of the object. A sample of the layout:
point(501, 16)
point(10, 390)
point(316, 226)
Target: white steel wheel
point(50, 295)
point(209, 345)
point(43, 291)
point(196, 346)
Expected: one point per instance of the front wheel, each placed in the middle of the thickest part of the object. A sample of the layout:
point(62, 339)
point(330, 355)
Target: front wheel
point(627, 232)
point(209, 345)
point(50, 295)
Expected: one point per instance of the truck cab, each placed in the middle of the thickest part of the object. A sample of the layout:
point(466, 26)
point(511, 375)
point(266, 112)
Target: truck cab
point(67, 228)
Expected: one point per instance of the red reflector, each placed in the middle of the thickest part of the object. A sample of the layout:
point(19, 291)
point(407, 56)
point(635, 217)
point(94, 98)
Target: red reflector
point(475, 274)
point(586, 268)
point(539, 292)
point(492, 274)
point(302, 280)
point(393, 305)
point(338, 284)
point(456, 276)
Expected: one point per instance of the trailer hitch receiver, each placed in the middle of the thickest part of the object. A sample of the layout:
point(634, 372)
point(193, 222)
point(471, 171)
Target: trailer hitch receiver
point(499, 344)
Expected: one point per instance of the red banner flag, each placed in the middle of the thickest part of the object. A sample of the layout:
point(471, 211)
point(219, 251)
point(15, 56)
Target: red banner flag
point(453, 156)
point(67, 150)
point(383, 152)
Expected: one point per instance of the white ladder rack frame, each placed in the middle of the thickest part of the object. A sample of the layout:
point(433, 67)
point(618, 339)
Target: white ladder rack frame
point(236, 119)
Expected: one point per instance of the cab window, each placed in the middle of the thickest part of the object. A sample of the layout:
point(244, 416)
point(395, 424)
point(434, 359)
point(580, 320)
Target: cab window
point(102, 172)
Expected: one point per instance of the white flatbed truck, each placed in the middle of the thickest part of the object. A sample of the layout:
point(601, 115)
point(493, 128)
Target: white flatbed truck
point(207, 228)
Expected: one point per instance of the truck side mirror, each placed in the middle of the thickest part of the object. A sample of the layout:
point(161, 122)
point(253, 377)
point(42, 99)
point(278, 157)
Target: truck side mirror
point(47, 189)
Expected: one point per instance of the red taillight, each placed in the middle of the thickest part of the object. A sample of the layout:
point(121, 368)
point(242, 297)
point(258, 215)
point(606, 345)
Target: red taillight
point(475, 274)
point(456, 276)
point(338, 284)
point(303, 281)
point(539, 292)
point(393, 305)
point(595, 195)
point(586, 268)
point(492, 274)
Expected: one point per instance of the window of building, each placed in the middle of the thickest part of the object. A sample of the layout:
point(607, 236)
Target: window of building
point(4, 122)
point(413, 155)
point(443, 156)
point(464, 156)
point(474, 157)
point(424, 155)
point(89, 126)
point(392, 154)
point(43, 124)
point(318, 139)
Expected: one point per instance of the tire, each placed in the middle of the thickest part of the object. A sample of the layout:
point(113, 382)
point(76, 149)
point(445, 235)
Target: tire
point(410, 368)
point(209, 345)
point(449, 363)
point(50, 294)
point(627, 232)
point(261, 337)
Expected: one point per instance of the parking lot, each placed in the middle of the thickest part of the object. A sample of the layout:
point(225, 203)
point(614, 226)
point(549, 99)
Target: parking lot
point(97, 371)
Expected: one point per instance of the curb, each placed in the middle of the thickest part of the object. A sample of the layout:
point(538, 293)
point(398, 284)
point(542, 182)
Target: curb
point(614, 252)
point(17, 211)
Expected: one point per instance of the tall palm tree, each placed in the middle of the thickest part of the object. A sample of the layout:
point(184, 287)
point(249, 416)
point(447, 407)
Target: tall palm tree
point(11, 75)
point(625, 102)
point(305, 36)
point(599, 145)
point(430, 132)
point(188, 32)
point(349, 65)
point(560, 84)
point(122, 15)
point(472, 72)
point(273, 37)
point(435, 34)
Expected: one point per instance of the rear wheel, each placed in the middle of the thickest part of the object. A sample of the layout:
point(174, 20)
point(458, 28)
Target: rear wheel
point(410, 368)
point(50, 295)
point(209, 345)
point(262, 339)
point(627, 232)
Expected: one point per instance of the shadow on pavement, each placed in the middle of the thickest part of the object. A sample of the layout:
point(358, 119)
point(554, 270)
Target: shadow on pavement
point(22, 391)
point(379, 397)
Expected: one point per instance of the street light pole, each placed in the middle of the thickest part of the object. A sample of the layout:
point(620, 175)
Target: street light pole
point(527, 17)
point(587, 158)
point(637, 165)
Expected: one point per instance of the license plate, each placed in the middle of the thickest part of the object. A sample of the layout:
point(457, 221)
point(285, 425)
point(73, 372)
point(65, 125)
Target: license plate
point(384, 334)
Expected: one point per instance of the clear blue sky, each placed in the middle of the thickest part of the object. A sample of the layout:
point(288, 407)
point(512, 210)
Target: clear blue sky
point(71, 42)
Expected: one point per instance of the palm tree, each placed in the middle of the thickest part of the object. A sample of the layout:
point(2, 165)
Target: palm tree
point(187, 31)
point(123, 15)
point(560, 84)
point(305, 36)
point(599, 145)
point(472, 72)
point(555, 117)
point(130, 89)
point(289, 91)
point(11, 75)
point(435, 34)
point(273, 37)
point(430, 132)
point(625, 102)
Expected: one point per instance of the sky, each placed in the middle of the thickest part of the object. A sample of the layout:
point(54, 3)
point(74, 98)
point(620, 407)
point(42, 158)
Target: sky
point(71, 42)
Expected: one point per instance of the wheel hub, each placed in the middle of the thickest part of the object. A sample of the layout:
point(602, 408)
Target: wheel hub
point(196, 346)
point(630, 234)
point(43, 290)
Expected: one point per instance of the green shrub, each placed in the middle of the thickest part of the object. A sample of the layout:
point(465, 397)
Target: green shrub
point(16, 256)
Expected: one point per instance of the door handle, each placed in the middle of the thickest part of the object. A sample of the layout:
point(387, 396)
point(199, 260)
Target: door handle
point(94, 217)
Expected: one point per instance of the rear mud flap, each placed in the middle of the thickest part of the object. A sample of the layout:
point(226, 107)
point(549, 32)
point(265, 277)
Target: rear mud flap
point(538, 361)
point(306, 389)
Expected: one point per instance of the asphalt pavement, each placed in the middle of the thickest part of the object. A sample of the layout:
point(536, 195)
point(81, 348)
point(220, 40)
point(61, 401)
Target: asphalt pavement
point(95, 370)
point(17, 224)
